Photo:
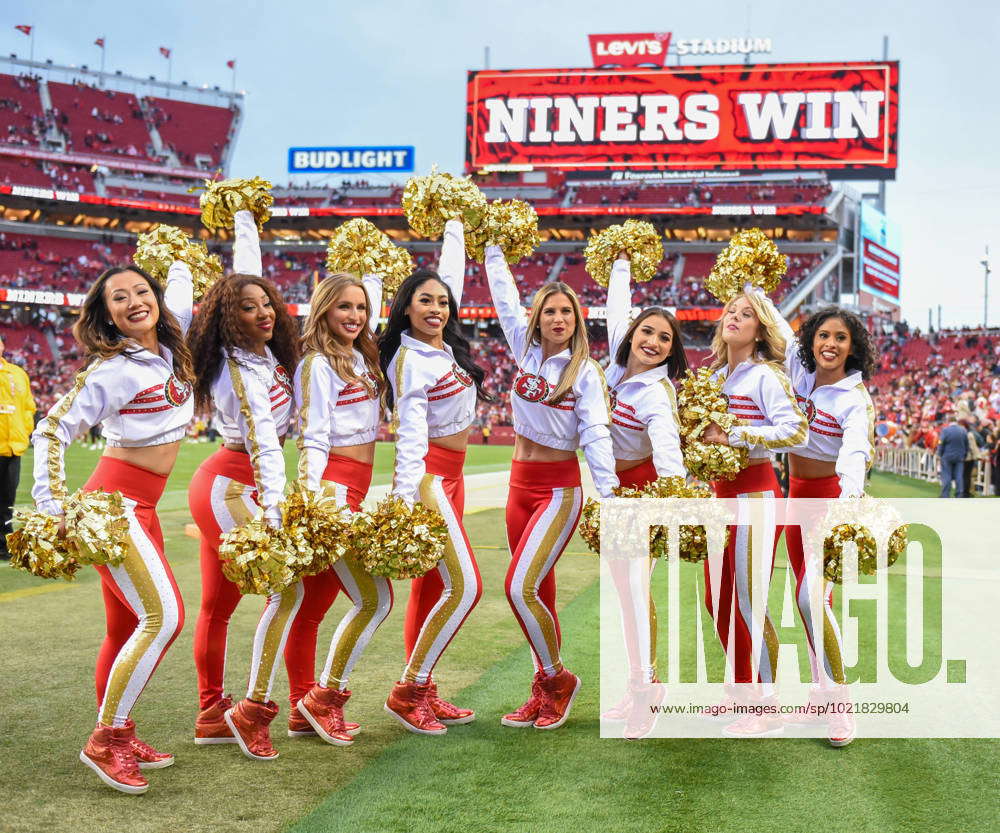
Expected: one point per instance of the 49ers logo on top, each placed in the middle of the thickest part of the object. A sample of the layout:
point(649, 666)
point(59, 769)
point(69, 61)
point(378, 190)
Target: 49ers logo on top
point(282, 379)
point(176, 392)
point(631, 50)
point(530, 387)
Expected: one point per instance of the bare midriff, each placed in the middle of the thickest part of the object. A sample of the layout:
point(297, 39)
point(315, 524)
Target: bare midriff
point(804, 468)
point(158, 459)
point(528, 451)
point(453, 442)
point(363, 453)
point(622, 465)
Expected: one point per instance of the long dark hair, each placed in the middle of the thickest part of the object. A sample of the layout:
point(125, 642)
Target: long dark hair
point(216, 329)
point(389, 339)
point(100, 338)
point(676, 362)
point(864, 353)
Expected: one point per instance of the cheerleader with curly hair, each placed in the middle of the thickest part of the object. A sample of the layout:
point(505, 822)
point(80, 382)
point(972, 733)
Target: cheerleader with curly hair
point(137, 386)
point(245, 346)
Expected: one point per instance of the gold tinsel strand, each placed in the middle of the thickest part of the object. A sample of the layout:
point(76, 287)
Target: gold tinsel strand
point(751, 257)
point(35, 546)
point(259, 559)
point(693, 543)
point(359, 247)
point(97, 529)
point(430, 201)
point(857, 521)
point(701, 402)
point(158, 249)
point(400, 543)
point(223, 198)
point(321, 531)
point(511, 225)
point(638, 238)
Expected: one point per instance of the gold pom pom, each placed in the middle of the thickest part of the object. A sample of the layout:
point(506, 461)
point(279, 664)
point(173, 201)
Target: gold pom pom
point(259, 559)
point(701, 402)
point(861, 521)
point(401, 543)
point(223, 198)
point(35, 546)
point(158, 249)
point(322, 531)
point(511, 225)
point(751, 257)
point(359, 247)
point(639, 239)
point(97, 530)
point(430, 201)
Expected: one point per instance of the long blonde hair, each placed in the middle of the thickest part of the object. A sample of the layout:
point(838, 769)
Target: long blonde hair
point(579, 346)
point(316, 336)
point(770, 345)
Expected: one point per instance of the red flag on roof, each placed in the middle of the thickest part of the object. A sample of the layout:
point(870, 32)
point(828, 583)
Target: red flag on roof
point(164, 52)
point(99, 42)
point(24, 29)
point(231, 63)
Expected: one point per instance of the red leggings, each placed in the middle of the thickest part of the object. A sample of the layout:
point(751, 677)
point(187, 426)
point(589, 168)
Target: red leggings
point(321, 590)
point(142, 604)
point(739, 574)
point(833, 663)
point(543, 508)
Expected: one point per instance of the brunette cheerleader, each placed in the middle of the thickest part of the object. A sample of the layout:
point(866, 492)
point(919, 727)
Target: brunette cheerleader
point(137, 387)
point(434, 387)
point(747, 354)
point(560, 403)
point(244, 343)
point(646, 355)
point(338, 387)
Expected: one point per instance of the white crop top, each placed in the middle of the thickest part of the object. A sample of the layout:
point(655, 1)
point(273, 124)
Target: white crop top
point(644, 416)
point(582, 418)
point(135, 398)
point(761, 396)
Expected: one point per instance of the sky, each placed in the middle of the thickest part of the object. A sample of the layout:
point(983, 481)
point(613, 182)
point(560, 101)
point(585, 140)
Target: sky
point(393, 73)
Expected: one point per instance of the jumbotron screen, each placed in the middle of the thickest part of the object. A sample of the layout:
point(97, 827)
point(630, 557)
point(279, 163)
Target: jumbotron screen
point(839, 117)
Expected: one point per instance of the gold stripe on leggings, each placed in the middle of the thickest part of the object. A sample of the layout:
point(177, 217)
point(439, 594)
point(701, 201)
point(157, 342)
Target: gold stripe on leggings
point(769, 635)
point(259, 683)
point(367, 609)
point(653, 626)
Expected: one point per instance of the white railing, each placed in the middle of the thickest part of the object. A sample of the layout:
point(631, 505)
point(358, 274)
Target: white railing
point(925, 465)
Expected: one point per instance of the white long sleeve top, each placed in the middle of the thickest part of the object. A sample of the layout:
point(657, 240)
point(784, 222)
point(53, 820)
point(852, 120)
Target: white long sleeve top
point(135, 398)
point(334, 412)
point(841, 418)
point(433, 396)
point(644, 416)
point(760, 394)
point(582, 418)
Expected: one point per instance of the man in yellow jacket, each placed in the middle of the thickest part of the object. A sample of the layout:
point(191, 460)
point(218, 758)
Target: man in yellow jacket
point(17, 421)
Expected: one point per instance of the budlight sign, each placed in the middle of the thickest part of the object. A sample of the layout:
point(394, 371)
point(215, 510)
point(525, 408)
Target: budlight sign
point(329, 160)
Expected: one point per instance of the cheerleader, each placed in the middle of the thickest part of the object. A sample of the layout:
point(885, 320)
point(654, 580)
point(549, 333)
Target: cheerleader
point(646, 355)
point(747, 354)
point(338, 387)
point(560, 403)
point(137, 387)
point(244, 341)
point(828, 365)
point(434, 385)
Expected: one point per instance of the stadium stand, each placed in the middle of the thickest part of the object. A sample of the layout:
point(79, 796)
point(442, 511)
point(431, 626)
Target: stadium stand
point(192, 130)
point(100, 121)
point(20, 110)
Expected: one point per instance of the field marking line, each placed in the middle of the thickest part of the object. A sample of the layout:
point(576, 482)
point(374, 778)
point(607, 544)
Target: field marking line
point(25, 592)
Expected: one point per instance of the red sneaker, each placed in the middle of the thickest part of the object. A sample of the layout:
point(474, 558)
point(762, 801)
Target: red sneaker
point(408, 703)
point(558, 694)
point(109, 753)
point(841, 729)
point(620, 710)
point(323, 708)
point(210, 725)
point(751, 725)
point(526, 714)
point(445, 712)
point(249, 722)
point(299, 727)
point(145, 755)
point(644, 710)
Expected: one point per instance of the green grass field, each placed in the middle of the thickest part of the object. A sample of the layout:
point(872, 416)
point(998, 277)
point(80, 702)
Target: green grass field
point(478, 777)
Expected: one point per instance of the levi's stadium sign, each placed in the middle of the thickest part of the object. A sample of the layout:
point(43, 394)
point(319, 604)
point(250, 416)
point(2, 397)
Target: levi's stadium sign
point(838, 117)
point(630, 50)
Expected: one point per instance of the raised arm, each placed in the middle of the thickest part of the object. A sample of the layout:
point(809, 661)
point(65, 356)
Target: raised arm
point(593, 421)
point(507, 301)
point(451, 264)
point(316, 389)
point(793, 364)
point(373, 289)
point(257, 426)
point(788, 426)
point(619, 304)
point(246, 246)
point(857, 449)
point(410, 389)
point(178, 295)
